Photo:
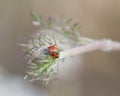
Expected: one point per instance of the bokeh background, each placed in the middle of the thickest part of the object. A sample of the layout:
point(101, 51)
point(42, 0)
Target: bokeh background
point(99, 19)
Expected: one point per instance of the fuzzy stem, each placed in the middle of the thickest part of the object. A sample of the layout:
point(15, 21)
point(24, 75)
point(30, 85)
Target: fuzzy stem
point(105, 45)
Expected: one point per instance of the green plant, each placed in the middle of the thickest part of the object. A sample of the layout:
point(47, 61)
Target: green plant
point(65, 35)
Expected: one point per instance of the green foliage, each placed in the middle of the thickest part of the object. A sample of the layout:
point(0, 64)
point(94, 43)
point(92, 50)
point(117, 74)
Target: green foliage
point(41, 65)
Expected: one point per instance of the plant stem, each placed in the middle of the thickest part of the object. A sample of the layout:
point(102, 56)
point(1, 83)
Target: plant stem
point(104, 45)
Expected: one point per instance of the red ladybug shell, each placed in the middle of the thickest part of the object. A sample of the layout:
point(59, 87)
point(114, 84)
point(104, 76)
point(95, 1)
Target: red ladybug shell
point(53, 51)
point(53, 48)
point(53, 54)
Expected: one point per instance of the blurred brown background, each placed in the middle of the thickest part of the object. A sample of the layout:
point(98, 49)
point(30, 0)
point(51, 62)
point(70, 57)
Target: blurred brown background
point(98, 18)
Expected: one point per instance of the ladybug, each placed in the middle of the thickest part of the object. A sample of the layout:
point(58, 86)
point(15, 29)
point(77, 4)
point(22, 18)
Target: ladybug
point(53, 51)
